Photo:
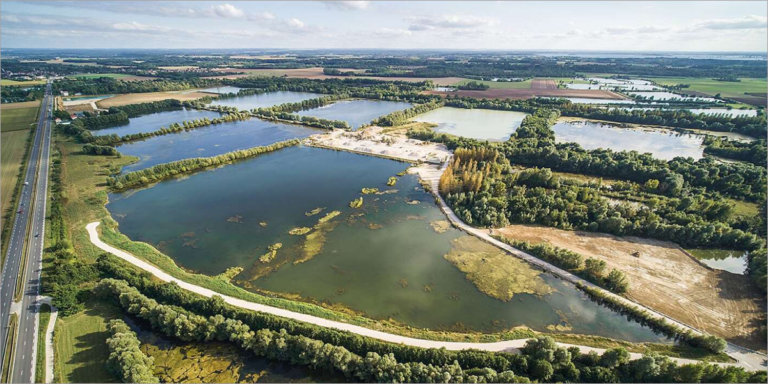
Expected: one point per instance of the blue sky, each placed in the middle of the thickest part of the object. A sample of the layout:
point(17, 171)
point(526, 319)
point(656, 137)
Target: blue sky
point(571, 25)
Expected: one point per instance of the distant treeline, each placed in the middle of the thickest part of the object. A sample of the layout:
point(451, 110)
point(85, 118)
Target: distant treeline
point(754, 152)
point(401, 117)
point(163, 171)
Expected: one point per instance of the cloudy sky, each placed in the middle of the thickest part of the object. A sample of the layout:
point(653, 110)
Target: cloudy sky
point(569, 25)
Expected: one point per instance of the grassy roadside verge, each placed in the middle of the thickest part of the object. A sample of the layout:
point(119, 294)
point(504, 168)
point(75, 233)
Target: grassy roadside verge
point(10, 348)
point(86, 203)
point(13, 204)
point(45, 316)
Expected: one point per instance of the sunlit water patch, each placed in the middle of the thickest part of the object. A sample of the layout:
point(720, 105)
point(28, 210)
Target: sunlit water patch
point(223, 89)
point(484, 124)
point(155, 121)
point(356, 112)
point(208, 141)
point(663, 144)
point(387, 258)
point(265, 100)
point(722, 259)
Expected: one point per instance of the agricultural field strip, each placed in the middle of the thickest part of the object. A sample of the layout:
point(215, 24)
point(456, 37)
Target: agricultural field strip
point(501, 346)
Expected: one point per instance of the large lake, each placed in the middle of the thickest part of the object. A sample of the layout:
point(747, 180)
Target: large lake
point(155, 121)
point(356, 112)
point(264, 100)
point(384, 259)
point(209, 141)
point(483, 124)
point(663, 144)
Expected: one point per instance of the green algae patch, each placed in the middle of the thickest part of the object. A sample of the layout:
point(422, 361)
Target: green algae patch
point(230, 273)
point(314, 242)
point(356, 203)
point(267, 257)
point(215, 363)
point(441, 226)
point(314, 211)
point(368, 191)
point(494, 272)
point(328, 216)
point(299, 231)
point(392, 181)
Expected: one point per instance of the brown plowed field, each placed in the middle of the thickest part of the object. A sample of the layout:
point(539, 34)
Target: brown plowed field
point(529, 93)
point(543, 84)
point(663, 277)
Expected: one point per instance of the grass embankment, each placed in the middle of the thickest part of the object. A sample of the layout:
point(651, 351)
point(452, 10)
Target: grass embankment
point(10, 348)
point(45, 316)
point(80, 344)
point(15, 140)
point(86, 195)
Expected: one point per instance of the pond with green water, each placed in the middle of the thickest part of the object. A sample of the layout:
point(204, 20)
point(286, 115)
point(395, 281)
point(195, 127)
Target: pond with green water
point(483, 124)
point(385, 259)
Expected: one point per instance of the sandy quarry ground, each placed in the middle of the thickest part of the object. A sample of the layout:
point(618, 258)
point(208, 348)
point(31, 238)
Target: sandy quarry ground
point(515, 94)
point(317, 73)
point(133, 98)
point(667, 280)
point(372, 141)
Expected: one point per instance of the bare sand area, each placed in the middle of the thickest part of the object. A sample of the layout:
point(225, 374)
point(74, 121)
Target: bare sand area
point(374, 141)
point(515, 94)
point(134, 98)
point(663, 277)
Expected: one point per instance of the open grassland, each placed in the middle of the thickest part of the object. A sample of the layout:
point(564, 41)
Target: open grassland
point(14, 83)
point(749, 90)
point(120, 76)
point(18, 117)
point(80, 345)
point(13, 142)
point(526, 84)
point(135, 98)
point(663, 277)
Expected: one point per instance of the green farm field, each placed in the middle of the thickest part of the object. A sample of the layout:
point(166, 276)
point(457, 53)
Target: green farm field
point(710, 86)
point(15, 125)
point(14, 83)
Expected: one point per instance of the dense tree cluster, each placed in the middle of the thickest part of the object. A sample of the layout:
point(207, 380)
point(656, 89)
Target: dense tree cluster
point(65, 277)
point(283, 112)
point(757, 264)
point(163, 171)
point(590, 269)
point(109, 85)
point(473, 86)
point(172, 128)
point(110, 118)
point(126, 360)
point(754, 152)
point(103, 150)
point(538, 125)
point(401, 117)
point(541, 359)
point(134, 110)
point(14, 94)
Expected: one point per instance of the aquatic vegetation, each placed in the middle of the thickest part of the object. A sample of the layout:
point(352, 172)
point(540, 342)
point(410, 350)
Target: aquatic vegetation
point(194, 363)
point(428, 287)
point(392, 181)
point(314, 242)
point(269, 256)
point(440, 226)
point(403, 283)
point(230, 273)
point(368, 191)
point(235, 219)
point(328, 216)
point(356, 203)
point(374, 226)
point(298, 231)
point(493, 272)
point(314, 212)
point(263, 224)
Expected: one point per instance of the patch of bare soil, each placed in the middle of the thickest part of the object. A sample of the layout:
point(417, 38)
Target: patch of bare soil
point(663, 277)
point(543, 84)
point(500, 93)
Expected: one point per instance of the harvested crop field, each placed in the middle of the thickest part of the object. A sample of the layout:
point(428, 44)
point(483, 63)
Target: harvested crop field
point(543, 84)
point(134, 98)
point(663, 277)
point(317, 73)
point(516, 94)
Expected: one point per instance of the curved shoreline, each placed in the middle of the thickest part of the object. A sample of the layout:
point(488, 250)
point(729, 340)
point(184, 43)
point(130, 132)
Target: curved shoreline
point(510, 346)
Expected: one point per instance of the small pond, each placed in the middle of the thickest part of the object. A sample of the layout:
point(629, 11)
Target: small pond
point(483, 124)
point(723, 259)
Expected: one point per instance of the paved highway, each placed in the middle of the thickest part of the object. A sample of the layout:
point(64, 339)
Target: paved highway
point(32, 216)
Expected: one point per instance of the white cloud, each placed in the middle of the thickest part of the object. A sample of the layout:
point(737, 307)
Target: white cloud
point(423, 23)
point(261, 16)
point(392, 32)
point(347, 5)
point(135, 26)
point(10, 18)
point(294, 23)
point(746, 22)
point(227, 10)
